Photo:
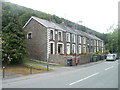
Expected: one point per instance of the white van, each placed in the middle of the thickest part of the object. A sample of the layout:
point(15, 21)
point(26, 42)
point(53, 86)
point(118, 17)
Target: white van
point(111, 57)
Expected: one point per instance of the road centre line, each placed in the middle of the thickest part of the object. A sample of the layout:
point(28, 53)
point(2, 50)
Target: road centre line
point(109, 68)
point(84, 78)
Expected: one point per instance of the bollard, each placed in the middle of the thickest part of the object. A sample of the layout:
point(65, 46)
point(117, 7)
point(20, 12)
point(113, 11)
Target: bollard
point(30, 69)
point(3, 72)
point(47, 67)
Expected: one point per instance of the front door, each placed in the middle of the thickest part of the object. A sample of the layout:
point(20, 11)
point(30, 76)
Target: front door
point(51, 48)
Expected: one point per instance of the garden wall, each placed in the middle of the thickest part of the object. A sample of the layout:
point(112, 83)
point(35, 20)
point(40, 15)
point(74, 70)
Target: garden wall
point(84, 59)
point(62, 59)
point(58, 59)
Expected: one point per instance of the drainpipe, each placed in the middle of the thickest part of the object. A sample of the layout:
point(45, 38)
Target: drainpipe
point(47, 48)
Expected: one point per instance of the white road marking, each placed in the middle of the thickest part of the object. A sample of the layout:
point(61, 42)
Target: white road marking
point(109, 68)
point(84, 78)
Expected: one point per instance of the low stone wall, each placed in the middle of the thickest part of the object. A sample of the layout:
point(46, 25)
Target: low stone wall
point(62, 59)
point(58, 59)
point(85, 59)
point(81, 59)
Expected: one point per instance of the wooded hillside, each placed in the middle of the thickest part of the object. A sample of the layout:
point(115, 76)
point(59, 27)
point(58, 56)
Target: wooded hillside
point(22, 14)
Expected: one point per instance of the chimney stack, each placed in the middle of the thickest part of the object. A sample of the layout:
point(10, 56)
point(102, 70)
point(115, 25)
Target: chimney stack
point(63, 24)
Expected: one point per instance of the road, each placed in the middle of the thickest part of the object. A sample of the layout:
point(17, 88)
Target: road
point(100, 75)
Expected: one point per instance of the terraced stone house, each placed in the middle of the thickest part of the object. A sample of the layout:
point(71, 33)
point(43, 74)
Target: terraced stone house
point(45, 38)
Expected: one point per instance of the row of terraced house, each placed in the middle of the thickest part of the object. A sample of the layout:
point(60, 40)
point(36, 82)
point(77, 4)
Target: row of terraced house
point(45, 38)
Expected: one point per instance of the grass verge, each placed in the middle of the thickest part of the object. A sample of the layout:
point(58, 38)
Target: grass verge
point(24, 69)
point(45, 63)
point(12, 70)
point(37, 67)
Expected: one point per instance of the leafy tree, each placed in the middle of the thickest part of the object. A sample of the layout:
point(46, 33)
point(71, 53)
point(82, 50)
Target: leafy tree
point(13, 46)
point(112, 41)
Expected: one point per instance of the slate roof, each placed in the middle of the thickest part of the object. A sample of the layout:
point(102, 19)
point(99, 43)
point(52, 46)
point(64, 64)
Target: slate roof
point(49, 24)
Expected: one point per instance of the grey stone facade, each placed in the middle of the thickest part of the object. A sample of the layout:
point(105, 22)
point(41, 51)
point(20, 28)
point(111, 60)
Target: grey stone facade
point(37, 45)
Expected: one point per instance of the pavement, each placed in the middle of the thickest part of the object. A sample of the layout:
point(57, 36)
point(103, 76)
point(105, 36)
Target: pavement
point(101, 74)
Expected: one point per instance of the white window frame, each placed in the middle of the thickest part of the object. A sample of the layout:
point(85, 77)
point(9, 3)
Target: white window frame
point(84, 40)
point(84, 48)
point(91, 42)
point(80, 40)
point(94, 42)
point(31, 35)
point(53, 47)
point(97, 48)
point(97, 42)
point(53, 33)
point(61, 36)
point(68, 34)
point(94, 49)
point(73, 46)
point(68, 51)
point(73, 38)
point(88, 41)
point(102, 50)
point(56, 32)
point(80, 49)
point(62, 47)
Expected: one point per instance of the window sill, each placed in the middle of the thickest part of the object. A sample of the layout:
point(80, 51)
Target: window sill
point(61, 54)
point(60, 41)
point(51, 40)
point(74, 43)
point(68, 41)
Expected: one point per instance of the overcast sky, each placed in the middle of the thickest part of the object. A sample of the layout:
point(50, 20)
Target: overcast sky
point(98, 15)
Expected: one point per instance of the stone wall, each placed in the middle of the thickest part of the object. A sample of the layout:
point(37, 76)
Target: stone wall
point(62, 59)
point(84, 59)
point(81, 59)
point(58, 59)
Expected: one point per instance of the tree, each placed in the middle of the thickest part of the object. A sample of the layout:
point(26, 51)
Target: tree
point(112, 41)
point(13, 46)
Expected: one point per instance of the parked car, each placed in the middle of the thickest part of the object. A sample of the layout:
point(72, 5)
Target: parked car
point(111, 57)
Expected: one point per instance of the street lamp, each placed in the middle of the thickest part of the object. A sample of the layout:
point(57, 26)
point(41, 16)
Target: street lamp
point(77, 24)
point(76, 41)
